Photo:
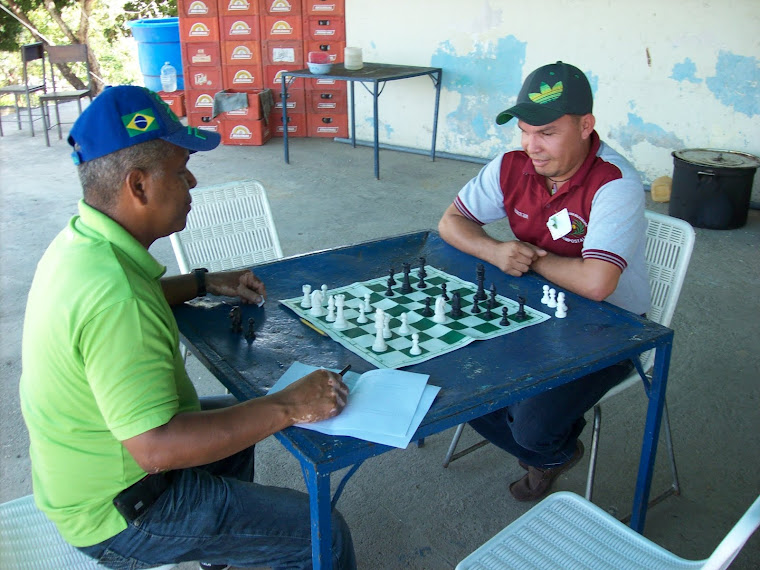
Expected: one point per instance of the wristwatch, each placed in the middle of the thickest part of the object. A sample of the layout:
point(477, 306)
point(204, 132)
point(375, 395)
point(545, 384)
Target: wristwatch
point(200, 281)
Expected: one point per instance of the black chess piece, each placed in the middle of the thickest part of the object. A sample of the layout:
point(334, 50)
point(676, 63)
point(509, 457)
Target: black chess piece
point(422, 272)
point(480, 271)
point(504, 317)
point(236, 320)
point(427, 311)
point(489, 309)
point(493, 295)
point(406, 286)
point(456, 305)
point(421, 284)
point(475, 308)
point(389, 291)
point(521, 310)
point(250, 334)
point(444, 294)
point(391, 280)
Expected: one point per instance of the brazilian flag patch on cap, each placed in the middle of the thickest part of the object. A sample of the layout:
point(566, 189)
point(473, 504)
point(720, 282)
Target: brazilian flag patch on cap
point(140, 122)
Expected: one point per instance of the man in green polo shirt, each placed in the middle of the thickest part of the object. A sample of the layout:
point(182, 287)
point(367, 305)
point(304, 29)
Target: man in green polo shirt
point(124, 461)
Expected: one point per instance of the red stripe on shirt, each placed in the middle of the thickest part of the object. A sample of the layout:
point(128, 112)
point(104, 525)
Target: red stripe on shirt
point(465, 212)
point(605, 256)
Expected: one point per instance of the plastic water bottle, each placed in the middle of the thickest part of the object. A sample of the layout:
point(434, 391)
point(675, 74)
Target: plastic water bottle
point(168, 78)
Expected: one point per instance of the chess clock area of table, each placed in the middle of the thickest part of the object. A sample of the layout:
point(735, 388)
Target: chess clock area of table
point(435, 338)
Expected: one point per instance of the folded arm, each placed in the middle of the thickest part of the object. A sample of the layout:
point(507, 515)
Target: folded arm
point(238, 283)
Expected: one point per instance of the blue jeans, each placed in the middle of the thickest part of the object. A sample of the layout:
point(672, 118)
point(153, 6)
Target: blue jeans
point(216, 514)
point(542, 431)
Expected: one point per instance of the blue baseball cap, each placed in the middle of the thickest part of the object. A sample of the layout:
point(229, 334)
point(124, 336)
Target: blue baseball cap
point(126, 115)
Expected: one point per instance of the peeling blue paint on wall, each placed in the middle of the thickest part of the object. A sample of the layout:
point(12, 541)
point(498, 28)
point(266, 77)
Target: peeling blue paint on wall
point(685, 71)
point(736, 82)
point(637, 131)
point(487, 80)
point(381, 126)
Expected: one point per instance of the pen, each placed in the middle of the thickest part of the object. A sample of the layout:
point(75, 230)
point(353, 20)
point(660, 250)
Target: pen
point(312, 327)
point(346, 368)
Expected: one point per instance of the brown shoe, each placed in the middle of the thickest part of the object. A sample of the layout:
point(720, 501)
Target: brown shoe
point(536, 482)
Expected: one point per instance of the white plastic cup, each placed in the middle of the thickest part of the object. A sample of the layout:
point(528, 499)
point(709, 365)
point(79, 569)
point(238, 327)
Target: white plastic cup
point(352, 58)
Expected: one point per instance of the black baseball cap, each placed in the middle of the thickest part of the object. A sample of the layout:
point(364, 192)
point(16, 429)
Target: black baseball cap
point(550, 92)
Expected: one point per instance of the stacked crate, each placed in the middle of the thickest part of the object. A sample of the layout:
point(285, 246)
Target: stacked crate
point(245, 46)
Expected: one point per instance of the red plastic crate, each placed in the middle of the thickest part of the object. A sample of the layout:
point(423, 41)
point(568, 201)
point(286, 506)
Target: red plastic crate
point(296, 125)
point(296, 101)
point(327, 125)
point(175, 100)
point(281, 28)
point(325, 28)
point(203, 121)
point(204, 78)
point(283, 7)
point(273, 78)
point(287, 52)
point(238, 7)
point(243, 77)
point(199, 29)
point(319, 7)
point(240, 27)
point(241, 52)
point(193, 8)
point(202, 54)
point(333, 49)
point(327, 101)
point(251, 113)
point(199, 101)
point(247, 132)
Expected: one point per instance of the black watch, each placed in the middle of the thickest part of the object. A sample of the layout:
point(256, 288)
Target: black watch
point(200, 281)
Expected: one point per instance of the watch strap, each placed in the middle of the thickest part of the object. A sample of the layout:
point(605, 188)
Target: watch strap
point(200, 281)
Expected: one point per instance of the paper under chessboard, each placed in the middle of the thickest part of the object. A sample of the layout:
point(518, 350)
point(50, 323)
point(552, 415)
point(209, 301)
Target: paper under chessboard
point(384, 406)
point(435, 338)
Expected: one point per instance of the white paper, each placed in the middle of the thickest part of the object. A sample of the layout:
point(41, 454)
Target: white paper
point(559, 224)
point(384, 406)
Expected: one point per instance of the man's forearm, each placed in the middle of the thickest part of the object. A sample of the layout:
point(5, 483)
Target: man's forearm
point(590, 278)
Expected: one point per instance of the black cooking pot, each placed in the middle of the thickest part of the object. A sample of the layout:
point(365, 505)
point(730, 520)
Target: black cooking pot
point(712, 188)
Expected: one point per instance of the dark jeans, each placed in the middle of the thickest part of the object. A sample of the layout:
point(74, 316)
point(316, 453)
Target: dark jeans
point(542, 430)
point(216, 514)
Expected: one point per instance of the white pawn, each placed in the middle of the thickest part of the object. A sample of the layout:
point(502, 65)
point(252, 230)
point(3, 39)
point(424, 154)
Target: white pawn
point(331, 309)
point(552, 303)
point(316, 304)
point(324, 293)
point(415, 350)
point(545, 298)
point(367, 306)
point(340, 320)
point(362, 317)
point(387, 326)
point(306, 301)
point(404, 329)
point(440, 310)
point(561, 312)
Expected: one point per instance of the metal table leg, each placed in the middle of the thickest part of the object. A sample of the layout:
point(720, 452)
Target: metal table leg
point(285, 118)
point(353, 115)
point(375, 96)
point(651, 435)
point(435, 112)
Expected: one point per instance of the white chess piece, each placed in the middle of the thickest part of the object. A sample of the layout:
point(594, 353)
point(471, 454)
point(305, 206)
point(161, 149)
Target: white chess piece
point(415, 350)
point(324, 293)
point(440, 310)
point(316, 304)
point(379, 344)
point(545, 298)
point(367, 306)
point(561, 312)
point(362, 319)
point(552, 304)
point(331, 309)
point(404, 329)
point(387, 326)
point(340, 319)
point(306, 301)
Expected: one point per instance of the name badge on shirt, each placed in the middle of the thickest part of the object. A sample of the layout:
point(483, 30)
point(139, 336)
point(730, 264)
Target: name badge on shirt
point(559, 224)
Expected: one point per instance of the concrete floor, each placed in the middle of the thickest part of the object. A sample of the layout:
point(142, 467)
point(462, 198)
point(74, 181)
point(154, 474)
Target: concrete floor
point(404, 509)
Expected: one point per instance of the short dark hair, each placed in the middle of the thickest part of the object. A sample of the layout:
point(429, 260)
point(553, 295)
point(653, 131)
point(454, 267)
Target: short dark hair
point(102, 178)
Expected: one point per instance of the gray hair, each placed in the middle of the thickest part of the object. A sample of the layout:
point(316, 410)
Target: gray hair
point(103, 177)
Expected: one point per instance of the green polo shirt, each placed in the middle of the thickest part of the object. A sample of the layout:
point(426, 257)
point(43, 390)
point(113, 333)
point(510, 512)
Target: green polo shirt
point(101, 364)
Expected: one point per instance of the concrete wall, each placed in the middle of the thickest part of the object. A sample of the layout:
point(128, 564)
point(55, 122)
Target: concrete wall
point(666, 74)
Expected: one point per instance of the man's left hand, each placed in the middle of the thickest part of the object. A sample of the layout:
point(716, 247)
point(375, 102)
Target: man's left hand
point(241, 283)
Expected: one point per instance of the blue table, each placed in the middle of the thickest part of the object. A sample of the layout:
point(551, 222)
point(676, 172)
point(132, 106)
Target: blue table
point(519, 365)
point(375, 74)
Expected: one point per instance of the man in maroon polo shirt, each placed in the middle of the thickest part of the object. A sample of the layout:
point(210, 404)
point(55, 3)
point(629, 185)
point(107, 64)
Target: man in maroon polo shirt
point(576, 208)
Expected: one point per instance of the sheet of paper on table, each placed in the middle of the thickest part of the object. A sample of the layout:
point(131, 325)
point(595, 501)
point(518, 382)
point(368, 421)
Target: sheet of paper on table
point(384, 406)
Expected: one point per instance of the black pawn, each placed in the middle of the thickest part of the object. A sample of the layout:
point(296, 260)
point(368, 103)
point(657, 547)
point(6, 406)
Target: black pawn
point(456, 305)
point(421, 284)
point(443, 292)
point(391, 280)
point(406, 286)
point(521, 310)
point(489, 309)
point(475, 308)
point(427, 311)
point(250, 334)
point(493, 295)
point(504, 317)
point(389, 291)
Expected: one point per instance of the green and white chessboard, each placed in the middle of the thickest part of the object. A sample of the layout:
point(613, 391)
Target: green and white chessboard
point(435, 339)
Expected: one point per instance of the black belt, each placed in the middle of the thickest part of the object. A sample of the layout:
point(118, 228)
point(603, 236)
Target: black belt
point(139, 497)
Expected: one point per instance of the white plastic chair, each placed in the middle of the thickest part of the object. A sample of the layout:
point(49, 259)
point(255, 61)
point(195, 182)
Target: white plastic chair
point(567, 531)
point(29, 541)
point(230, 226)
point(670, 242)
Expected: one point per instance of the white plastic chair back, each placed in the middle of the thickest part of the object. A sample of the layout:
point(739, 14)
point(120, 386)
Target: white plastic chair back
point(567, 531)
point(230, 226)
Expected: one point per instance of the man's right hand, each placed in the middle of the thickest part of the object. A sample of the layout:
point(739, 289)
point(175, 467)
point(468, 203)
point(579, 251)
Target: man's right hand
point(319, 395)
point(515, 257)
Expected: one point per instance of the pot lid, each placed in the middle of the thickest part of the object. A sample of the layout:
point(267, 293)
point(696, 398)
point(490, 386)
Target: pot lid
point(718, 158)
